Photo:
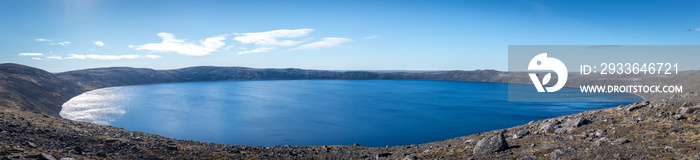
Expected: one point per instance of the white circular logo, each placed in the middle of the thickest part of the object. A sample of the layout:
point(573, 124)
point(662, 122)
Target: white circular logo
point(543, 63)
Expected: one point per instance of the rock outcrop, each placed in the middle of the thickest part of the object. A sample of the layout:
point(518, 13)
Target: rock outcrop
point(491, 144)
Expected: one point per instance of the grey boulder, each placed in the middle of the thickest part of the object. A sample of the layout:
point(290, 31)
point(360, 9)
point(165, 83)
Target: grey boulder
point(491, 144)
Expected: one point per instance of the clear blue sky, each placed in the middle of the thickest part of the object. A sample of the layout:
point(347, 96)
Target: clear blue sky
point(335, 35)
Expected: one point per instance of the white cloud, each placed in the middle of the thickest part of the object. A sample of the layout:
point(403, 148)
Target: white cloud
point(227, 47)
point(697, 29)
point(99, 43)
point(102, 57)
point(273, 38)
point(99, 57)
point(257, 50)
point(64, 43)
point(172, 44)
point(325, 43)
point(54, 57)
point(30, 54)
point(372, 37)
point(152, 56)
point(40, 40)
point(37, 58)
point(260, 41)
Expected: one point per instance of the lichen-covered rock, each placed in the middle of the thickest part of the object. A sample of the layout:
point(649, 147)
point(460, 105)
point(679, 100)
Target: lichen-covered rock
point(528, 157)
point(548, 126)
point(576, 122)
point(521, 133)
point(560, 130)
point(688, 110)
point(620, 141)
point(637, 105)
point(600, 132)
point(491, 144)
point(601, 141)
point(557, 154)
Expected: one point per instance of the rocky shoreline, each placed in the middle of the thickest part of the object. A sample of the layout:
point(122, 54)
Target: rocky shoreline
point(660, 128)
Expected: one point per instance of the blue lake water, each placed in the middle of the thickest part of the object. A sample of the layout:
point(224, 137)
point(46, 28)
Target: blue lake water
point(317, 112)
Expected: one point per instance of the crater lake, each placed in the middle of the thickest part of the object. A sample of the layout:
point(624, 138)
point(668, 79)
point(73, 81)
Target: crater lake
point(319, 112)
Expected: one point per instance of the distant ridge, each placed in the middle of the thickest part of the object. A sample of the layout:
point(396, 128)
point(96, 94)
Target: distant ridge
point(380, 71)
point(119, 76)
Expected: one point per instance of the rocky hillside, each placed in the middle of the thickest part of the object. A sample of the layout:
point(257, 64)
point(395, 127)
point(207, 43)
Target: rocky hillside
point(34, 89)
